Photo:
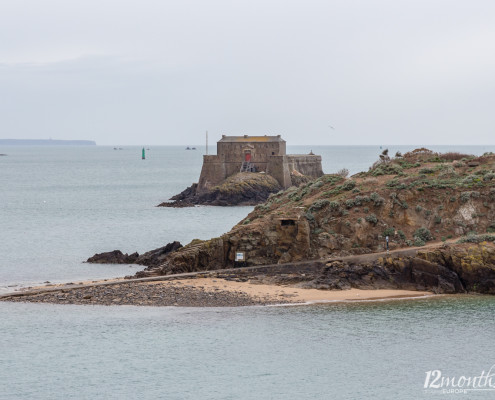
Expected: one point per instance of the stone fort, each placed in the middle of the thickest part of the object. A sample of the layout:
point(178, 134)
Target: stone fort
point(265, 154)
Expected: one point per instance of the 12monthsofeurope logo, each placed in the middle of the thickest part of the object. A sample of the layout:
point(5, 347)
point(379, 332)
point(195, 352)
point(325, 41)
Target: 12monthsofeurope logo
point(438, 383)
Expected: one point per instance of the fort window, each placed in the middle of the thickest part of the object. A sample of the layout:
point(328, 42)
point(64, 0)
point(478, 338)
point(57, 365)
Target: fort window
point(273, 153)
point(287, 222)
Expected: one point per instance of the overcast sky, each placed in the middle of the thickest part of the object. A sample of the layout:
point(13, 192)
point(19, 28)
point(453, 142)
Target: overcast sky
point(164, 72)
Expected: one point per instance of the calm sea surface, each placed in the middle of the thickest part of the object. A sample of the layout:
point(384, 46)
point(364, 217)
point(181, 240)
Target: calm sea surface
point(60, 205)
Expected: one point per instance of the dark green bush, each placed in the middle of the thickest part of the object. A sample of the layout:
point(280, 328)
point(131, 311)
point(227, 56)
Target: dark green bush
point(423, 234)
point(318, 205)
point(349, 185)
point(371, 218)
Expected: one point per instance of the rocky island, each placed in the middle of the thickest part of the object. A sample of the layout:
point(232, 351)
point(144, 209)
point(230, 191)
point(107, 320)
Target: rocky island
point(245, 171)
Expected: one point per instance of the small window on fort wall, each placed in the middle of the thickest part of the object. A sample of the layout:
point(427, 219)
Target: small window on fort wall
point(273, 153)
point(287, 222)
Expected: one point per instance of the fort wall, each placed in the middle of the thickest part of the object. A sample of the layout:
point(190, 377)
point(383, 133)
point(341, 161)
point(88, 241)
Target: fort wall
point(213, 173)
point(266, 153)
point(306, 164)
point(278, 168)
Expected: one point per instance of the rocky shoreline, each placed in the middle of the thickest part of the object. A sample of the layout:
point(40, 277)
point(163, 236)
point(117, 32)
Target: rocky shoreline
point(147, 294)
point(242, 189)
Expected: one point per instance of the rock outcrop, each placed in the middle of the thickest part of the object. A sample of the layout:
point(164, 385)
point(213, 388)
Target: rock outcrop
point(113, 257)
point(151, 258)
point(244, 188)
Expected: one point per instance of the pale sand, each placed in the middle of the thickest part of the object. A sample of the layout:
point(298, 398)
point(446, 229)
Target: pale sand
point(293, 294)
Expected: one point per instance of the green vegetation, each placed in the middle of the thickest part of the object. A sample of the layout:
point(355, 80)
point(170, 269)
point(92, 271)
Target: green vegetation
point(371, 218)
point(319, 204)
point(388, 232)
point(477, 239)
point(387, 169)
point(423, 234)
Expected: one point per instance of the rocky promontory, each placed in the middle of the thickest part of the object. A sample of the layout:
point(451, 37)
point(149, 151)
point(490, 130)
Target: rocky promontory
point(244, 188)
point(412, 199)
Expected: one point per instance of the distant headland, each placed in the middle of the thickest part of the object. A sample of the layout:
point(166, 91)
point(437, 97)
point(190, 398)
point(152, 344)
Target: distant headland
point(45, 142)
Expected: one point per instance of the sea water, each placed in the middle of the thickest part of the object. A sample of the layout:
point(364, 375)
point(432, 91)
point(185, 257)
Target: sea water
point(58, 206)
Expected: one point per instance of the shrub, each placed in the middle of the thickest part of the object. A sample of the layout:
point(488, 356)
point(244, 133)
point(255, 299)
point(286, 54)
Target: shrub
point(418, 208)
point(366, 209)
point(344, 172)
point(388, 232)
point(387, 169)
point(331, 178)
point(377, 199)
point(310, 217)
point(437, 220)
point(489, 176)
point(359, 220)
point(349, 203)
point(491, 228)
point(448, 172)
point(316, 185)
point(423, 234)
point(465, 196)
point(477, 239)
point(401, 234)
point(246, 221)
point(318, 205)
point(471, 179)
point(371, 218)
point(334, 205)
point(418, 242)
point(349, 185)
point(426, 171)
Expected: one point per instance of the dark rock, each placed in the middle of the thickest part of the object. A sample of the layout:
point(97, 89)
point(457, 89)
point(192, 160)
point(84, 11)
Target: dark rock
point(151, 258)
point(113, 257)
point(241, 189)
point(156, 257)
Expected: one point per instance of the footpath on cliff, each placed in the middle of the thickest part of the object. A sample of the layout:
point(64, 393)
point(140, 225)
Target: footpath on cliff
point(219, 288)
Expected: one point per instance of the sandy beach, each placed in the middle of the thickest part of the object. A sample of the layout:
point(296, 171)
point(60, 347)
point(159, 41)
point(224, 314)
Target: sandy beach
point(198, 292)
point(293, 294)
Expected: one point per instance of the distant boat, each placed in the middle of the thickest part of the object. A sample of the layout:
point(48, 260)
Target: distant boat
point(194, 148)
point(188, 148)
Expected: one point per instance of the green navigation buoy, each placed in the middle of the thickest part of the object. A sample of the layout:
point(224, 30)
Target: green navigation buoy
point(144, 155)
